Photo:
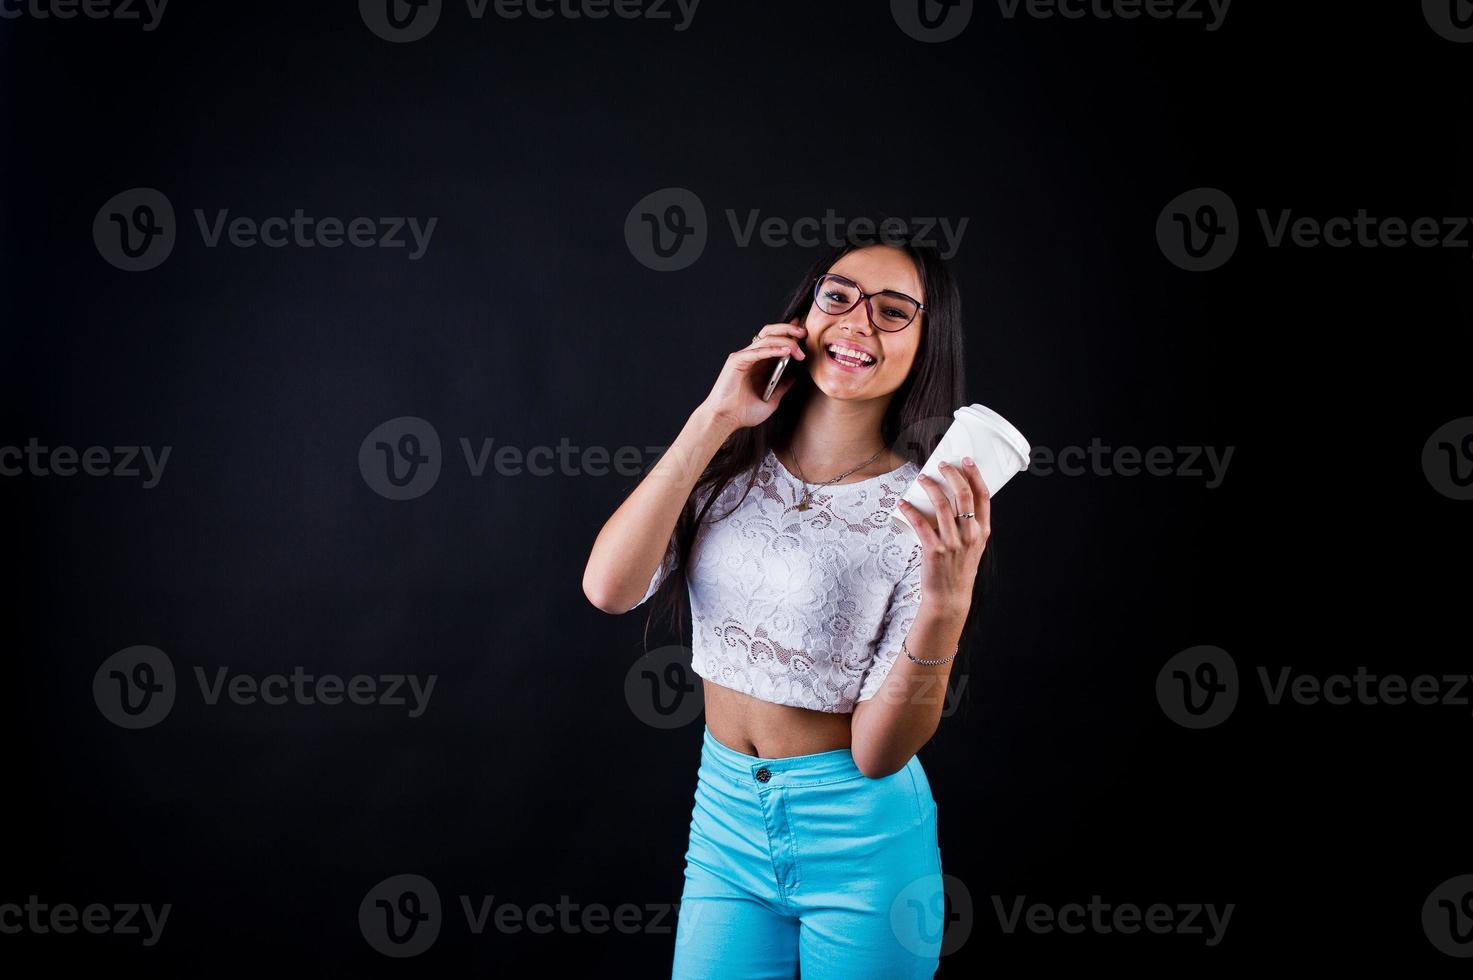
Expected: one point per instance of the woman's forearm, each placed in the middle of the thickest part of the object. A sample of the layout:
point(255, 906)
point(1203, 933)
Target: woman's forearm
point(892, 726)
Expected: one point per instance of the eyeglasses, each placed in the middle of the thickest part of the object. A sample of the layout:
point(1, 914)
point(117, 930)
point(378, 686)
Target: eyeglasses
point(836, 295)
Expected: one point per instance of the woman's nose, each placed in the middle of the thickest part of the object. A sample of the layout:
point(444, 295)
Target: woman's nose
point(858, 318)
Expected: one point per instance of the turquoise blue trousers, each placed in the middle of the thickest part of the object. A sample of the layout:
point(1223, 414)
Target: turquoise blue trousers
point(804, 860)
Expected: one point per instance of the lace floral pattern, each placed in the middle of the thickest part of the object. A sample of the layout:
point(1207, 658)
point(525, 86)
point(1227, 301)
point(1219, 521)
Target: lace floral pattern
point(804, 608)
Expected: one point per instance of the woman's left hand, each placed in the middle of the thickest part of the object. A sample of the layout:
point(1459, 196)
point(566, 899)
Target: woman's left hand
point(952, 547)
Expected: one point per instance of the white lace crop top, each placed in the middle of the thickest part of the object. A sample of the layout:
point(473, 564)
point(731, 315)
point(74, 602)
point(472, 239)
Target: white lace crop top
point(804, 608)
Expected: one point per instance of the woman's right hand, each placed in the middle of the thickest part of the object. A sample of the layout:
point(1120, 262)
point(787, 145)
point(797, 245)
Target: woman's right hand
point(736, 398)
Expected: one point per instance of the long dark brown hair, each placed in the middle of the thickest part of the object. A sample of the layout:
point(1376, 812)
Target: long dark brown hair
point(917, 416)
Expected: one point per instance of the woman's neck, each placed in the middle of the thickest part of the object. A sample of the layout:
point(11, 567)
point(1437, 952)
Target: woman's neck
point(833, 435)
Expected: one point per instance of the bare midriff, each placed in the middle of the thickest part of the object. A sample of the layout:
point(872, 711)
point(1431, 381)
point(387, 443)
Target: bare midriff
point(771, 731)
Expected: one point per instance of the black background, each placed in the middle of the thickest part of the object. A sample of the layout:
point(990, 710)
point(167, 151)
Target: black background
point(529, 321)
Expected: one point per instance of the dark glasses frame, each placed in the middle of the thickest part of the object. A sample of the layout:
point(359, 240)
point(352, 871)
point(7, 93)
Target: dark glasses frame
point(865, 298)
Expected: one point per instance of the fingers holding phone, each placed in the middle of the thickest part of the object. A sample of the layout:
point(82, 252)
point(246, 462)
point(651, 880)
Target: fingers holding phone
point(777, 374)
point(741, 392)
point(790, 329)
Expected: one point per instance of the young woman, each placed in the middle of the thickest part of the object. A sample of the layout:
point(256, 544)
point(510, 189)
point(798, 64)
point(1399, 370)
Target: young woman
point(823, 631)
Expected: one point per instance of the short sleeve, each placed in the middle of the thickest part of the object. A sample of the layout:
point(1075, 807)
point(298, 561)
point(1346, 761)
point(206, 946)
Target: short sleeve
point(671, 559)
point(900, 615)
point(666, 566)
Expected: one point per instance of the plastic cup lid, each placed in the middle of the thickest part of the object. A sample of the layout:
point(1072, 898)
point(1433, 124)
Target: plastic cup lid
point(1005, 428)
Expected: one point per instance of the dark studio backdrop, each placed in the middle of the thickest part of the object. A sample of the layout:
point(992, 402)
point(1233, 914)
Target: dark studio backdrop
point(1120, 736)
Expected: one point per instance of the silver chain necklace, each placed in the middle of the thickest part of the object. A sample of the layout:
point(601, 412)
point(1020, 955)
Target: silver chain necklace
point(803, 503)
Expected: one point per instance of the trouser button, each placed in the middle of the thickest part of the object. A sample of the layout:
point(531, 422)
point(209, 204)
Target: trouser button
point(763, 774)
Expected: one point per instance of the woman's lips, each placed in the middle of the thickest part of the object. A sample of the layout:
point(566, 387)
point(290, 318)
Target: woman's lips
point(850, 365)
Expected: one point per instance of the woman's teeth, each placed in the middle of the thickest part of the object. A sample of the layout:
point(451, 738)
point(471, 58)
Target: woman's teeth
point(850, 356)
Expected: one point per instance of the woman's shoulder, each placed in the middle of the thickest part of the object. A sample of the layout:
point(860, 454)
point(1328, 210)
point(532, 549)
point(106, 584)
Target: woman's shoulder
point(744, 488)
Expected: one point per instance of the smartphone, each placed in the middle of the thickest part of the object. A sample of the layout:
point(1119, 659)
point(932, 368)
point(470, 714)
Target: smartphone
point(777, 374)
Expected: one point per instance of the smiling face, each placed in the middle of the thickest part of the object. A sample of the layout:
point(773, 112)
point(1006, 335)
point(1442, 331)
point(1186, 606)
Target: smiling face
point(874, 268)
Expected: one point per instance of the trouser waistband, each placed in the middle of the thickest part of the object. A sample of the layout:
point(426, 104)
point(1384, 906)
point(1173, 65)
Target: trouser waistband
point(818, 767)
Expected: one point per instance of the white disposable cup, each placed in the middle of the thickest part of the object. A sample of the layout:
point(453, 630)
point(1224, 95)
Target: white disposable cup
point(996, 445)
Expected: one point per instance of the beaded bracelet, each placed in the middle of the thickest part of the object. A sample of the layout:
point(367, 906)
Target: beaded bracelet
point(928, 663)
